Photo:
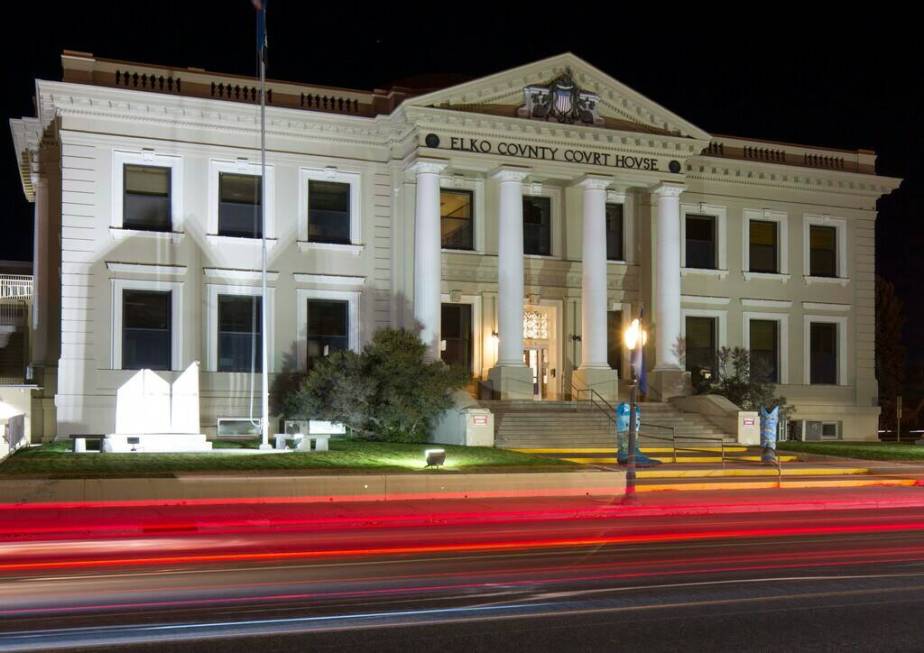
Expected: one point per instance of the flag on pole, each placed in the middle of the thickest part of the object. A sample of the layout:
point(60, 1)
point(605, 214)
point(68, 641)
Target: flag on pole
point(260, 6)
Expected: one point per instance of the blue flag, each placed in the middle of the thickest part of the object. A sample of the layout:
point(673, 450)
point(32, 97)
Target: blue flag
point(260, 6)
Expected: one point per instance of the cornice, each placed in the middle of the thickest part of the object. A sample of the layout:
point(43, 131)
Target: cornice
point(68, 99)
point(774, 175)
point(528, 130)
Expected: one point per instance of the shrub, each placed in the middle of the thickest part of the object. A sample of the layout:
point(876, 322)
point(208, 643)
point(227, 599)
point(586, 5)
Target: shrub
point(740, 380)
point(388, 392)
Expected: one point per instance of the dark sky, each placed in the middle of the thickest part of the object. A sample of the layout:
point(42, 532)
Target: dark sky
point(781, 77)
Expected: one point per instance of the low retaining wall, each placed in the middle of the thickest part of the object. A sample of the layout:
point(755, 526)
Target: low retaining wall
point(331, 488)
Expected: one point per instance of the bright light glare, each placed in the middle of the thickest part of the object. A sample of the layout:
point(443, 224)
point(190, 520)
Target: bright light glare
point(633, 334)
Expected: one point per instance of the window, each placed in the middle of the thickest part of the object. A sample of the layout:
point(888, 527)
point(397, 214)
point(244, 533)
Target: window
point(701, 241)
point(537, 225)
point(823, 353)
point(614, 244)
point(240, 339)
point(328, 328)
point(822, 251)
point(239, 205)
point(456, 223)
point(614, 340)
point(146, 330)
point(456, 331)
point(328, 212)
point(765, 350)
point(701, 346)
point(146, 198)
point(763, 246)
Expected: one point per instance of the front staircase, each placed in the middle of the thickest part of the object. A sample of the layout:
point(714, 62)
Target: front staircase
point(526, 424)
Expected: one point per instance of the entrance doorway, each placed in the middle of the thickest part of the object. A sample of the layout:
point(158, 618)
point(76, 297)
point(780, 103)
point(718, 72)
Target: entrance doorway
point(542, 347)
point(537, 360)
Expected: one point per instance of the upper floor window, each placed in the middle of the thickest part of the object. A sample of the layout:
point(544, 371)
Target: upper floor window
point(763, 248)
point(239, 205)
point(614, 232)
point(823, 251)
point(240, 331)
point(328, 212)
point(146, 198)
point(146, 329)
point(537, 225)
point(456, 219)
point(701, 241)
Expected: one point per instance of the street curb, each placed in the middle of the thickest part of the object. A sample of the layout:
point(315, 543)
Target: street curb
point(182, 489)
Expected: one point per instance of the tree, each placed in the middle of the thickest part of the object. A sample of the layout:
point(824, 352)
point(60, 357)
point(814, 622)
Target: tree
point(890, 352)
point(387, 392)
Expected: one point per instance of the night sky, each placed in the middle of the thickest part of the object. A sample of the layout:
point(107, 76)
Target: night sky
point(828, 83)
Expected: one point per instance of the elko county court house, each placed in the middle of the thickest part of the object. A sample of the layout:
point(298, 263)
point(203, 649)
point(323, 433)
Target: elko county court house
point(521, 220)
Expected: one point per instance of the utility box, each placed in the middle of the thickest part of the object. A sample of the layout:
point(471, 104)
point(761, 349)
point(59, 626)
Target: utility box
point(479, 427)
point(470, 426)
point(748, 427)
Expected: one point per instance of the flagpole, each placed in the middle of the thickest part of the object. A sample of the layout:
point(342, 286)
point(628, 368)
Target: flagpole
point(263, 303)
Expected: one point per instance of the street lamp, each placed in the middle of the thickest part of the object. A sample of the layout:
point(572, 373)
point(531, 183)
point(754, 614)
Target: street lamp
point(634, 338)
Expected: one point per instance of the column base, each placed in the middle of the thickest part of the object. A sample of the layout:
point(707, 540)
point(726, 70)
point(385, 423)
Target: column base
point(511, 382)
point(670, 382)
point(604, 380)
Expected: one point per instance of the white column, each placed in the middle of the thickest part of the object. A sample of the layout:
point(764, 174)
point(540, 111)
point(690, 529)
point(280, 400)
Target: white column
point(510, 268)
point(667, 282)
point(593, 275)
point(427, 245)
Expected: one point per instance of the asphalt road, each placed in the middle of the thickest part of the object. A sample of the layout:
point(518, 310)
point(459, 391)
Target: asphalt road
point(808, 581)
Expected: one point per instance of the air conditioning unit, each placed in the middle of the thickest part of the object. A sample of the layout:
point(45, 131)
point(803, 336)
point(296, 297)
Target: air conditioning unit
point(814, 430)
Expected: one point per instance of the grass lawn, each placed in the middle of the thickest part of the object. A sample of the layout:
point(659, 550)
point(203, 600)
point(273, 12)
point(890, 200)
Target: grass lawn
point(56, 460)
point(864, 450)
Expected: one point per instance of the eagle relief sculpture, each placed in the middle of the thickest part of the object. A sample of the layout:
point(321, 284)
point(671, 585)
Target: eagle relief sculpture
point(561, 101)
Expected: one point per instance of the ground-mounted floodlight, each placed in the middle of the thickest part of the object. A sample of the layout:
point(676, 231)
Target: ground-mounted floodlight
point(435, 457)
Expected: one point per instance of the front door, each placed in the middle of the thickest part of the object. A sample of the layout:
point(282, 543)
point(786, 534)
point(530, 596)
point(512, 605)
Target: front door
point(537, 360)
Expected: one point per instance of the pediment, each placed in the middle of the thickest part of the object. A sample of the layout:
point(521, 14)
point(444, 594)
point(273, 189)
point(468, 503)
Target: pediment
point(532, 91)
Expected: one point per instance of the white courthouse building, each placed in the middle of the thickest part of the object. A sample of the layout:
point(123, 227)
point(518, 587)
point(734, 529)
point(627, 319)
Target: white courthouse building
point(521, 219)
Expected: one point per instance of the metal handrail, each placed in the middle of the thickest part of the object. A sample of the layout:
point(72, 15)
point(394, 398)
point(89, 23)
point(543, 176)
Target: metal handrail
point(596, 399)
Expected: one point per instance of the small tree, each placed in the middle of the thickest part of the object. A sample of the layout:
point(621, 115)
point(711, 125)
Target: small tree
point(742, 380)
point(387, 392)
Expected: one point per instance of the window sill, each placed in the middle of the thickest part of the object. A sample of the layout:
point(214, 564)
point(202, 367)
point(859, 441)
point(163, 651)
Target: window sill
point(547, 257)
point(840, 281)
point(217, 240)
point(705, 272)
point(465, 252)
point(118, 233)
point(307, 246)
point(617, 262)
point(767, 276)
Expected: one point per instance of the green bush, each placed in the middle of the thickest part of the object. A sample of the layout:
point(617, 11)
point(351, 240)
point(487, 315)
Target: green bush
point(388, 392)
point(740, 380)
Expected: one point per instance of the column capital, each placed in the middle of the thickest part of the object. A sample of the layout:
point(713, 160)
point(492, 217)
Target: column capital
point(510, 173)
point(594, 182)
point(668, 189)
point(432, 166)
